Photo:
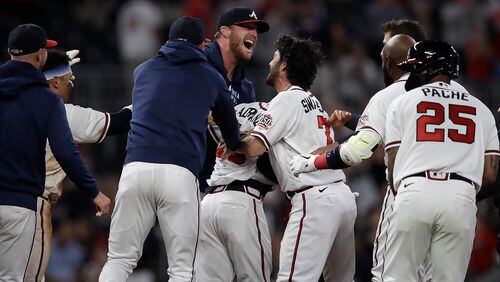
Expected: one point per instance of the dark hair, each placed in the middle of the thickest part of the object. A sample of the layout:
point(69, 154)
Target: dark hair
point(302, 58)
point(404, 26)
point(55, 58)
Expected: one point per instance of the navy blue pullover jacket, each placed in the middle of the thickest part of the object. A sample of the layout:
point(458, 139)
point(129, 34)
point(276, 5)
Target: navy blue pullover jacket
point(172, 97)
point(29, 114)
point(242, 91)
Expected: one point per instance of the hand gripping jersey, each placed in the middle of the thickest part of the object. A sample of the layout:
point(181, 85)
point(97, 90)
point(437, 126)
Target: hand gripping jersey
point(435, 120)
point(87, 126)
point(295, 123)
point(237, 166)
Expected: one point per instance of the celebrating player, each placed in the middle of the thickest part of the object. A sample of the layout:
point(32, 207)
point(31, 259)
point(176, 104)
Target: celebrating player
point(29, 115)
point(442, 145)
point(370, 129)
point(173, 95)
point(234, 235)
point(319, 237)
point(233, 45)
point(87, 126)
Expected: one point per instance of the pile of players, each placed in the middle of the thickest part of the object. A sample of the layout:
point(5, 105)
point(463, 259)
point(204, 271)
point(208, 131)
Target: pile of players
point(441, 146)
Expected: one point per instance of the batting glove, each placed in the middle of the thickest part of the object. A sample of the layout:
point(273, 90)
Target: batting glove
point(303, 163)
point(73, 59)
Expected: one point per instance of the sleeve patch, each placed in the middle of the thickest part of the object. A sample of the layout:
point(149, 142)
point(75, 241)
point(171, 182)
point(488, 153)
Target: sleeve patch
point(265, 122)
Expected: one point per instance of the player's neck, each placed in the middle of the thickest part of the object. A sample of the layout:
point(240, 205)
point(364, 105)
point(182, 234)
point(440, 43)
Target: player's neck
point(228, 58)
point(442, 78)
point(282, 85)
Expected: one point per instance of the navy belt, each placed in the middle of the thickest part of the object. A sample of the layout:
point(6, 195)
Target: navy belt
point(290, 194)
point(429, 175)
point(256, 191)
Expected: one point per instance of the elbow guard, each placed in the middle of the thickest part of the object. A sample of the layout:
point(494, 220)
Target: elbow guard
point(359, 147)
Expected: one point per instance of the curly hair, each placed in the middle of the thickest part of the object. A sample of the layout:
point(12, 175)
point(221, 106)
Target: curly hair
point(302, 58)
point(55, 57)
point(405, 26)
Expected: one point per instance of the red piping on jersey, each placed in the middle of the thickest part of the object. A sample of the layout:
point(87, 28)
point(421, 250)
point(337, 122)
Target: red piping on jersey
point(388, 145)
point(198, 229)
point(31, 249)
point(375, 251)
point(262, 260)
point(43, 242)
point(261, 105)
point(261, 136)
point(385, 245)
point(492, 151)
point(369, 127)
point(295, 250)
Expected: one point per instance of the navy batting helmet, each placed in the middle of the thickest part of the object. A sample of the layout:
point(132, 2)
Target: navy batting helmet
point(435, 57)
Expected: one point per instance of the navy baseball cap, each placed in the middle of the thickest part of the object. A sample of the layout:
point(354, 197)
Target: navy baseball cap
point(188, 29)
point(242, 16)
point(27, 39)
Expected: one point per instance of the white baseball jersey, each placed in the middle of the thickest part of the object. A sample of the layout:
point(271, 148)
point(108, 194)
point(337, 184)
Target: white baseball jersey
point(237, 166)
point(434, 120)
point(87, 126)
point(295, 123)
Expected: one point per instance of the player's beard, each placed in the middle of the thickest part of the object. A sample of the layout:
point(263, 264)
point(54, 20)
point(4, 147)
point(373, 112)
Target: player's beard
point(387, 78)
point(238, 48)
point(273, 75)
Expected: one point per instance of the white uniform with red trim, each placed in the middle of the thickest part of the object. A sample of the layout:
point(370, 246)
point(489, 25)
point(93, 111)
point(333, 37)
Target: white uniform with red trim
point(319, 237)
point(234, 234)
point(374, 118)
point(443, 134)
point(87, 126)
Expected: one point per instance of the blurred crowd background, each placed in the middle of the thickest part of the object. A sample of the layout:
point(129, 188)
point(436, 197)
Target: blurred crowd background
point(115, 36)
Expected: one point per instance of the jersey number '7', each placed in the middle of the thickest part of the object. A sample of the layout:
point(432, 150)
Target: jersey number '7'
point(322, 122)
point(438, 118)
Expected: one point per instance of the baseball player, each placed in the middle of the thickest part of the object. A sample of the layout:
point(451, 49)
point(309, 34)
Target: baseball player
point(234, 235)
point(370, 130)
point(233, 45)
point(173, 95)
point(319, 237)
point(87, 126)
point(442, 145)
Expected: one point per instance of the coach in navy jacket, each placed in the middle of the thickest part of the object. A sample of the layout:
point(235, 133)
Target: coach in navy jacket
point(29, 114)
point(235, 45)
point(180, 84)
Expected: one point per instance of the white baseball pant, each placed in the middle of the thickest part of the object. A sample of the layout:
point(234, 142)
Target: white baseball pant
point(234, 239)
point(380, 244)
point(148, 191)
point(40, 251)
point(17, 229)
point(319, 236)
point(435, 216)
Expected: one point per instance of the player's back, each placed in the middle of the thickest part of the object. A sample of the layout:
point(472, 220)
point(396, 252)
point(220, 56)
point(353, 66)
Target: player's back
point(443, 128)
point(295, 123)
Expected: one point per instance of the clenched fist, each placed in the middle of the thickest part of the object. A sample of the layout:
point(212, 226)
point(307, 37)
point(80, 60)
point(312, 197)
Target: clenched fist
point(102, 203)
point(303, 163)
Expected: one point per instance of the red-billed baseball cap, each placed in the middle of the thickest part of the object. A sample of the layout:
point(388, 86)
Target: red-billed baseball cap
point(27, 39)
point(242, 16)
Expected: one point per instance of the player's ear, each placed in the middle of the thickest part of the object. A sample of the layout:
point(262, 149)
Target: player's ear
point(225, 30)
point(283, 66)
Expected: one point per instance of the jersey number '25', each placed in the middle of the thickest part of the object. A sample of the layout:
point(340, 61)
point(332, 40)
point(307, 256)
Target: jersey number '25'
point(438, 118)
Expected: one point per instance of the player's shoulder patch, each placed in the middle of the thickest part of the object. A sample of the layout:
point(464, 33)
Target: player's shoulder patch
point(363, 120)
point(265, 122)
